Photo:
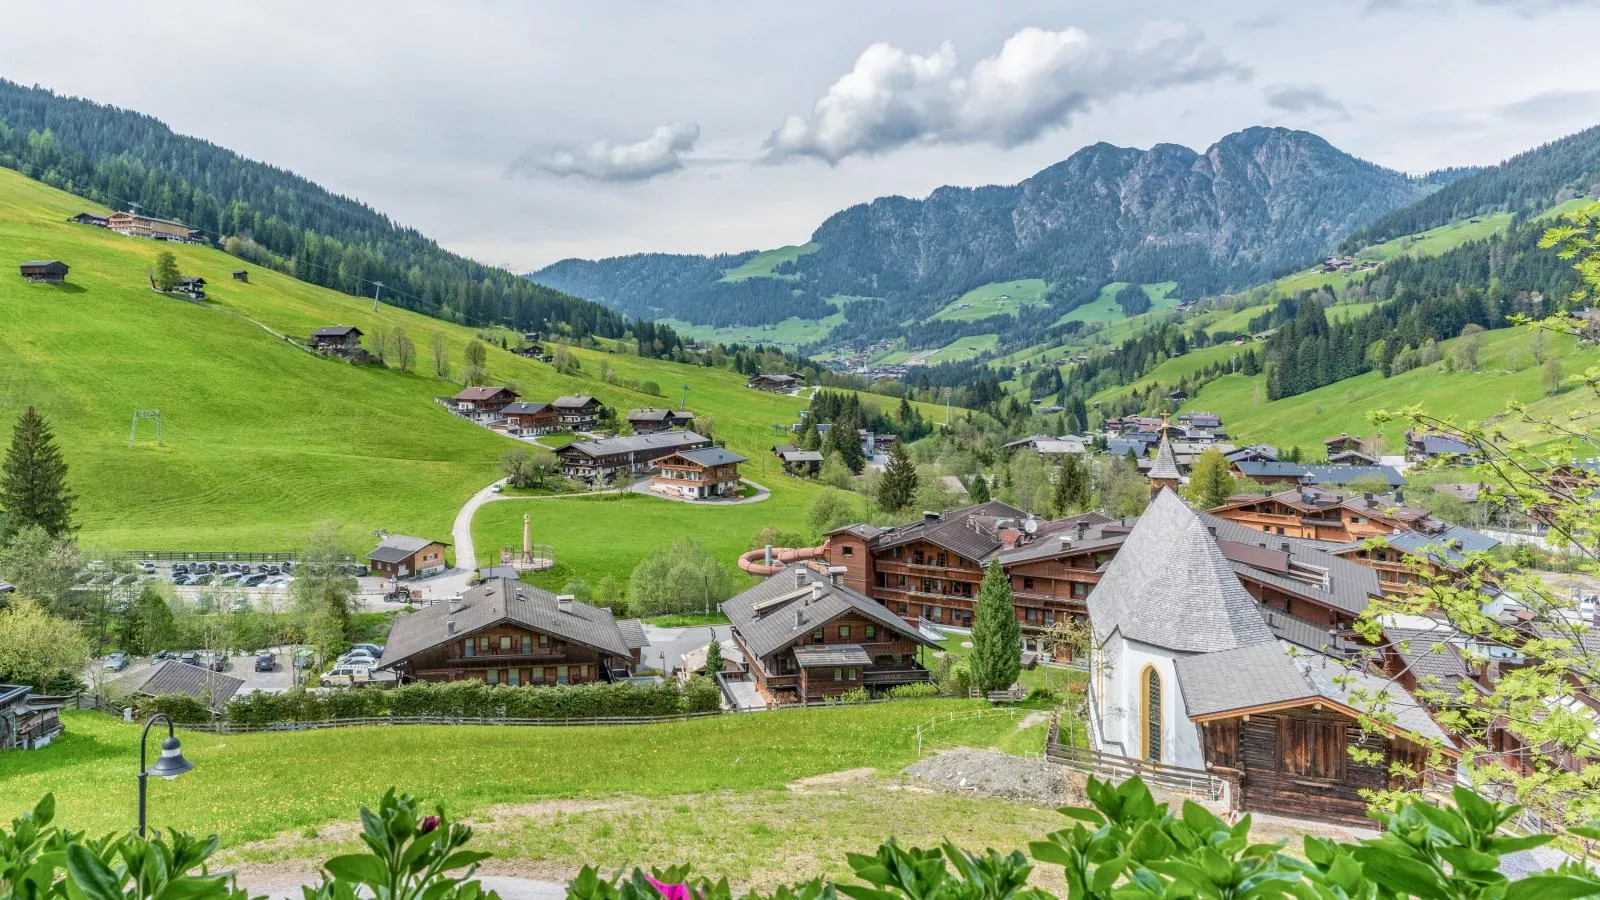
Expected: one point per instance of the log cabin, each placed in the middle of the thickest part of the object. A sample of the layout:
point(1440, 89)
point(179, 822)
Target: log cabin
point(651, 420)
point(507, 632)
point(402, 556)
point(698, 474)
point(530, 419)
point(483, 403)
point(340, 339)
point(44, 271)
point(578, 413)
point(606, 460)
point(805, 638)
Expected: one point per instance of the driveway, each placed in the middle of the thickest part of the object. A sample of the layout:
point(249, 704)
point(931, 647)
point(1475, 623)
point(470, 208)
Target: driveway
point(461, 532)
point(674, 642)
point(643, 487)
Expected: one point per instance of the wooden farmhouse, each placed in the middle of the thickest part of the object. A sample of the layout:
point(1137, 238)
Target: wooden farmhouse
point(798, 462)
point(507, 632)
point(402, 556)
point(1320, 514)
point(45, 271)
point(606, 460)
point(191, 286)
point(651, 420)
point(85, 218)
point(805, 639)
point(578, 413)
point(698, 474)
point(530, 419)
point(338, 339)
point(28, 721)
point(1278, 472)
point(777, 383)
point(134, 225)
point(483, 404)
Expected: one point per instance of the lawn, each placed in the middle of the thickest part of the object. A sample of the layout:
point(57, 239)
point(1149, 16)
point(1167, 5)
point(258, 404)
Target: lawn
point(254, 786)
point(999, 298)
point(1104, 309)
point(790, 333)
point(559, 439)
point(762, 264)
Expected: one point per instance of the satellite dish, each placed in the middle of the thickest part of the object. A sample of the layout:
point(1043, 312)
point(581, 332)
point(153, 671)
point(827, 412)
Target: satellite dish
point(1031, 526)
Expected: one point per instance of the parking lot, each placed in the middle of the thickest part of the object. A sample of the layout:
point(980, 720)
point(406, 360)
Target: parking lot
point(241, 666)
point(268, 582)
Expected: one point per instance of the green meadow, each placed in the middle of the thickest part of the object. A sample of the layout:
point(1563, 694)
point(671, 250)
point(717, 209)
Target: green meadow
point(1000, 298)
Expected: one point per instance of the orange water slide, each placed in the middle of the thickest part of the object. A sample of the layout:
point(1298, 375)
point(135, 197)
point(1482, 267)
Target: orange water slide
point(755, 561)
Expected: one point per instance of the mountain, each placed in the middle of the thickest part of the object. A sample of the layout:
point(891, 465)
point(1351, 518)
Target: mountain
point(1527, 183)
point(268, 215)
point(1252, 205)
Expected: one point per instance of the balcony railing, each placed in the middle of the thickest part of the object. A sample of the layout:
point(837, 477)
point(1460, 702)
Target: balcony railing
point(900, 674)
point(495, 657)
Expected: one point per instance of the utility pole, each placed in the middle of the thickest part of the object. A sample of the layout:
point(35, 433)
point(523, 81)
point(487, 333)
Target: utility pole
point(947, 393)
point(376, 294)
point(683, 400)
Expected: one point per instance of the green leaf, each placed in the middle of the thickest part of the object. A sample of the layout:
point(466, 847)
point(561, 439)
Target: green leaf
point(1552, 887)
point(1400, 874)
point(1149, 842)
point(361, 868)
point(92, 875)
point(463, 858)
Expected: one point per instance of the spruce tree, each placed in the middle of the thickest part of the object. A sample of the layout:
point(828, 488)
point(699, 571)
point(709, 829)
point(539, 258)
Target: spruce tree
point(33, 481)
point(1209, 481)
point(996, 636)
point(713, 657)
point(899, 482)
point(978, 489)
point(809, 438)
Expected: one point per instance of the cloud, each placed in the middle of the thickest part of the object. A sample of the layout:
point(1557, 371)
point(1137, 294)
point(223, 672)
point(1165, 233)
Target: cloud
point(1526, 8)
point(1039, 80)
point(659, 154)
point(1303, 98)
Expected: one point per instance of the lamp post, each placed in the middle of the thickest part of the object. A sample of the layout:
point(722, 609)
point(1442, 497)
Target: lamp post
point(169, 765)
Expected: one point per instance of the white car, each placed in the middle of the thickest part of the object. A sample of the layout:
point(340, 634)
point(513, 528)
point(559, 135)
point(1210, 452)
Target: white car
point(344, 675)
point(358, 658)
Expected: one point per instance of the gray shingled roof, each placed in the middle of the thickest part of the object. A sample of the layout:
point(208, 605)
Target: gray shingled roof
point(525, 409)
point(1349, 585)
point(711, 456)
point(1165, 466)
point(633, 633)
point(968, 532)
point(635, 443)
point(1061, 537)
point(817, 656)
point(483, 392)
point(1273, 673)
point(174, 677)
point(399, 548)
point(570, 401)
point(795, 456)
point(1430, 655)
point(335, 331)
point(1319, 474)
point(774, 626)
point(1452, 543)
point(1171, 587)
point(497, 600)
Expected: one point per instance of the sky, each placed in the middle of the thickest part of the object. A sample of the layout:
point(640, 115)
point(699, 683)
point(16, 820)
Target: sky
point(523, 133)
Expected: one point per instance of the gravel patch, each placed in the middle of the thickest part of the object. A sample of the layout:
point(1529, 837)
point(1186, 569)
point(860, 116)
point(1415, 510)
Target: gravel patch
point(989, 773)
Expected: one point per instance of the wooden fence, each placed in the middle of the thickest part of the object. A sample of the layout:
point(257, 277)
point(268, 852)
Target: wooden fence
point(1114, 767)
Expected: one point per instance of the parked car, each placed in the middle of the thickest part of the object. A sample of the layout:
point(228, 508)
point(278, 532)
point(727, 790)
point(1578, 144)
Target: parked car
point(374, 649)
point(288, 566)
point(344, 675)
point(182, 580)
point(147, 567)
point(360, 658)
point(166, 654)
point(190, 657)
point(217, 662)
point(253, 580)
point(496, 489)
point(116, 662)
point(265, 661)
point(180, 568)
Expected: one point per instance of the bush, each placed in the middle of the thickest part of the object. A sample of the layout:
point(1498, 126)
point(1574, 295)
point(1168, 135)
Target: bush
point(913, 691)
point(854, 695)
point(178, 707)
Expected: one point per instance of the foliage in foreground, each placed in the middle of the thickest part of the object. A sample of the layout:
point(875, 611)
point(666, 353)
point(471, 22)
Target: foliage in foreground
point(1126, 847)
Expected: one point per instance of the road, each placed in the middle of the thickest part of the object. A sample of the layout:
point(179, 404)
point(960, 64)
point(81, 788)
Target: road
point(461, 532)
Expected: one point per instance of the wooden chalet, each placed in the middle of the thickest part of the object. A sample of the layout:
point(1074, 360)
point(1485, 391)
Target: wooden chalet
point(1351, 458)
point(1340, 443)
point(578, 413)
point(698, 474)
point(605, 460)
point(44, 271)
point(339, 339)
point(85, 218)
point(402, 556)
point(28, 721)
point(776, 383)
point(530, 418)
point(651, 420)
point(242, 275)
point(1406, 560)
point(134, 225)
point(798, 462)
point(1281, 472)
point(510, 633)
point(1315, 513)
point(483, 403)
point(805, 638)
point(1424, 445)
point(191, 286)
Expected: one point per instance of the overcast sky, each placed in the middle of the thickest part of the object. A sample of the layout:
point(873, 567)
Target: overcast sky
point(522, 133)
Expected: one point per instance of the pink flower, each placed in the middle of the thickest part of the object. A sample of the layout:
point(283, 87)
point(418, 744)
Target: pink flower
point(671, 891)
point(429, 823)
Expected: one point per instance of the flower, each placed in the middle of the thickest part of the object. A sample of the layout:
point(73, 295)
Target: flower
point(671, 891)
point(429, 823)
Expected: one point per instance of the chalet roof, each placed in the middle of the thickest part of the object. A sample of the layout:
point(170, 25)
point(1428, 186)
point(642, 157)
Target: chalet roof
point(572, 401)
point(336, 331)
point(781, 449)
point(633, 635)
point(399, 548)
point(1254, 451)
point(1028, 441)
point(1165, 466)
point(1305, 568)
point(522, 408)
point(483, 392)
point(9, 693)
point(971, 531)
point(1171, 587)
point(1443, 445)
point(711, 456)
point(776, 379)
point(1352, 458)
point(1272, 674)
point(860, 529)
point(1452, 544)
point(652, 414)
point(504, 600)
point(634, 444)
point(1318, 474)
point(1339, 438)
point(176, 677)
point(42, 264)
point(783, 609)
point(800, 455)
point(1119, 446)
point(818, 656)
point(1058, 446)
point(1431, 655)
point(1099, 532)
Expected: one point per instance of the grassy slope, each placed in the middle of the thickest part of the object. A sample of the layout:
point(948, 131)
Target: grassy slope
point(790, 333)
point(994, 299)
point(263, 440)
point(1105, 310)
point(252, 786)
point(762, 264)
point(1306, 419)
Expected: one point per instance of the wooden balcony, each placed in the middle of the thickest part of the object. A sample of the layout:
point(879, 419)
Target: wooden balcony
point(911, 673)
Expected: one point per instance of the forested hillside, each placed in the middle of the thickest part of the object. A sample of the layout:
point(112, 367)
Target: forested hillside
point(1249, 207)
point(1526, 183)
point(269, 216)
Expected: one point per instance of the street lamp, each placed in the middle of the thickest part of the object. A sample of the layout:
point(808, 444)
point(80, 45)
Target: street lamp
point(169, 765)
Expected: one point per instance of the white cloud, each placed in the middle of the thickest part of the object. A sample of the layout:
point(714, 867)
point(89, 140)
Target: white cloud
point(1038, 81)
point(659, 154)
point(1303, 98)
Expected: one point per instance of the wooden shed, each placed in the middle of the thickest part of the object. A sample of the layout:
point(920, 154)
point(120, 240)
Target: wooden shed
point(47, 271)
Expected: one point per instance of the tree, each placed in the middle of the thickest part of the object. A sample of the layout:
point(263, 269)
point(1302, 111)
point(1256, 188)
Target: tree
point(33, 481)
point(705, 426)
point(899, 481)
point(405, 349)
point(713, 656)
point(323, 592)
point(476, 357)
point(147, 623)
point(835, 473)
point(978, 489)
point(1123, 491)
point(1538, 345)
point(528, 466)
point(996, 636)
point(441, 362)
point(1550, 376)
point(829, 511)
point(683, 577)
point(41, 567)
point(38, 649)
point(844, 442)
point(380, 338)
point(166, 275)
point(1070, 491)
point(1210, 483)
point(1468, 348)
point(809, 438)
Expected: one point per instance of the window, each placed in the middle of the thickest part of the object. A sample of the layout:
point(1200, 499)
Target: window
point(466, 647)
point(850, 674)
point(816, 636)
point(505, 643)
point(1027, 584)
point(916, 558)
point(838, 675)
point(1310, 748)
point(1150, 714)
point(871, 632)
point(544, 641)
point(849, 551)
point(941, 560)
point(561, 674)
point(844, 632)
point(513, 677)
point(491, 676)
point(483, 645)
point(900, 608)
point(1079, 589)
point(1049, 617)
point(527, 644)
point(882, 580)
point(900, 581)
point(536, 675)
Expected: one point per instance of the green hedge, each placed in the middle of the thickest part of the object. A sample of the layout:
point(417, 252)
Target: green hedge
point(474, 698)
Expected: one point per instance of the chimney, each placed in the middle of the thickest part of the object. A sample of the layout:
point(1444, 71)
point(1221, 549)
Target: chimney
point(564, 603)
point(799, 619)
point(836, 574)
point(817, 589)
point(450, 626)
point(455, 604)
point(1367, 498)
point(799, 576)
point(930, 516)
point(1065, 539)
point(1083, 530)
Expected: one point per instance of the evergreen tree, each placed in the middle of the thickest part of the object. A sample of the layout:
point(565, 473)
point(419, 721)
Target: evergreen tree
point(1070, 493)
point(713, 657)
point(978, 489)
point(1209, 480)
point(899, 482)
point(809, 439)
point(996, 637)
point(33, 481)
